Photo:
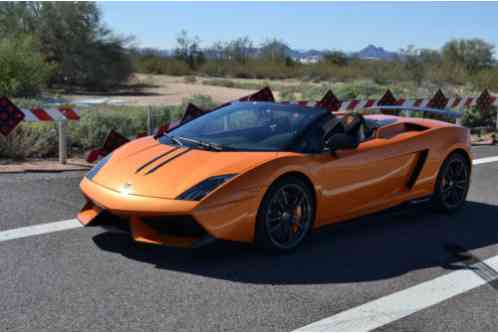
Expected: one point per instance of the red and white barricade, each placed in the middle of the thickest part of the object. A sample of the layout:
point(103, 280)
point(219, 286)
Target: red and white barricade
point(11, 116)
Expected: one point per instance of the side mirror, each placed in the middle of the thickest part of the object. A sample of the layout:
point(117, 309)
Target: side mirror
point(341, 141)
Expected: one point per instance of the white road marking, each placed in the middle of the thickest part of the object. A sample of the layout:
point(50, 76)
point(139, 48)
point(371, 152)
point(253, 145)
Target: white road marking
point(388, 309)
point(38, 229)
point(485, 160)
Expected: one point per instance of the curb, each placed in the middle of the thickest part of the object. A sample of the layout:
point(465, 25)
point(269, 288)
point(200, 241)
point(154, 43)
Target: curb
point(40, 171)
point(34, 169)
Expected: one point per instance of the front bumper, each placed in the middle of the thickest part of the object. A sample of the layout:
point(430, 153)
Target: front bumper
point(136, 214)
point(114, 211)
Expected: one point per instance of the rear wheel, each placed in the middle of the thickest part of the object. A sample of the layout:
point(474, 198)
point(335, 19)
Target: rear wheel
point(285, 216)
point(452, 184)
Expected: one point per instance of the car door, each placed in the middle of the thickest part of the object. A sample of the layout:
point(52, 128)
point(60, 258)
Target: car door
point(361, 179)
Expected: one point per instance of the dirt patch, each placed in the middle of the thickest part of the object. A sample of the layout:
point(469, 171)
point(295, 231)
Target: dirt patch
point(164, 90)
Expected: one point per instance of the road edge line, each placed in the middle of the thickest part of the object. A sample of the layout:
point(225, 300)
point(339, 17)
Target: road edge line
point(39, 229)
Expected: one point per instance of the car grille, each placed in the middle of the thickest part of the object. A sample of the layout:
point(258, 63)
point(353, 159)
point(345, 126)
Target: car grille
point(179, 225)
point(111, 221)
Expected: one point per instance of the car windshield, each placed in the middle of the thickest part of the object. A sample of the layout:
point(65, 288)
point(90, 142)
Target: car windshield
point(254, 126)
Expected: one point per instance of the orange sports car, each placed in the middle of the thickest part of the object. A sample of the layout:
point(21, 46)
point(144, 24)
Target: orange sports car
point(269, 173)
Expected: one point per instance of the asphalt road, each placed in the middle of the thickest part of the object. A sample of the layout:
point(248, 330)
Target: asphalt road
point(86, 279)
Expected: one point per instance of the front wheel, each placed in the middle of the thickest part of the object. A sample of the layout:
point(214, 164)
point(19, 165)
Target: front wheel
point(285, 216)
point(452, 184)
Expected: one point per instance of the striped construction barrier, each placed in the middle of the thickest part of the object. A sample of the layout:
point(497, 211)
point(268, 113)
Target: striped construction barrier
point(330, 102)
point(11, 115)
point(352, 105)
point(438, 101)
point(39, 114)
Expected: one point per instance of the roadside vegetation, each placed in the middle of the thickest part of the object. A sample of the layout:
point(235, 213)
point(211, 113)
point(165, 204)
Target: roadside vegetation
point(59, 46)
point(39, 140)
point(56, 48)
point(460, 62)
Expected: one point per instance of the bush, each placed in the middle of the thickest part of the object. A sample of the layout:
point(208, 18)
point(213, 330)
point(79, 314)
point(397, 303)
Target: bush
point(22, 69)
point(190, 79)
point(104, 67)
point(220, 83)
point(94, 125)
point(30, 140)
point(486, 79)
point(473, 117)
point(159, 65)
point(202, 101)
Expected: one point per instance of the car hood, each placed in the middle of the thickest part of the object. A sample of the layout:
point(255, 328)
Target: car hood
point(146, 167)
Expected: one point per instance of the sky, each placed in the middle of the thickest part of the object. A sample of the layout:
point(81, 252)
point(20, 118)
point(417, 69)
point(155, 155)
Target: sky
point(305, 25)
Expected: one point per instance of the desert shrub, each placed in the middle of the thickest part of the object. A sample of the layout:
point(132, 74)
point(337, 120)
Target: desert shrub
point(190, 79)
point(360, 90)
point(486, 79)
point(312, 92)
point(22, 70)
point(160, 65)
point(202, 101)
point(288, 94)
point(214, 68)
point(29, 140)
point(473, 117)
point(220, 83)
point(94, 125)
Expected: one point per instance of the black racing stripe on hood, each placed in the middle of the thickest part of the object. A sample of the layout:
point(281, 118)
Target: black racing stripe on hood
point(167, 161)
point(156, 158)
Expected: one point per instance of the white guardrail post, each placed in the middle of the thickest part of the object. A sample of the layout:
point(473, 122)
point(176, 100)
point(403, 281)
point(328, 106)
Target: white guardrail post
point(150, 121)
point(62, 126)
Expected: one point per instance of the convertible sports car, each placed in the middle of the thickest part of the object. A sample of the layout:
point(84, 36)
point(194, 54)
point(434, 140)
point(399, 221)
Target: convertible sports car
point(269, 173)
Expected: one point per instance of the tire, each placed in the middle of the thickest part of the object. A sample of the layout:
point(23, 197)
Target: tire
point(285, 216)
point(452, 184)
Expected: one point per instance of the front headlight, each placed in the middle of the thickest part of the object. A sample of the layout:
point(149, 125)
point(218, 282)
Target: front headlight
point(200, 190)
point(97, 167)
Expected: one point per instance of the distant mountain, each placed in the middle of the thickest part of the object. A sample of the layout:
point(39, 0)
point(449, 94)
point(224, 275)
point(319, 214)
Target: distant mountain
point(304, 56)
point(157, 52)
point(374, 52)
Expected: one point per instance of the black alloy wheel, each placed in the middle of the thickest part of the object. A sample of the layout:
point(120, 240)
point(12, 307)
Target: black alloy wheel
point(286, 215)
point(452, 184)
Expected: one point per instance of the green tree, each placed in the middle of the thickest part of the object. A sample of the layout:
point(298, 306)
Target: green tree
point(337, 58)
point(188, 50)
point(23, 73)
point(473, 54)
point(429, 57)
point(18, 17)
point(239, 50)
point(274, 51)
point(412, 64)
point(71, 36)
point(486, 79)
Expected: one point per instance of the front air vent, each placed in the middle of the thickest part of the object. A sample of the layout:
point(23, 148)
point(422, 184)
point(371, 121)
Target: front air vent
point(179, 225)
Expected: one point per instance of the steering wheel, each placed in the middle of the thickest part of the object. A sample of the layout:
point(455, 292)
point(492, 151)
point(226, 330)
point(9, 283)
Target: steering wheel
point(355, 126)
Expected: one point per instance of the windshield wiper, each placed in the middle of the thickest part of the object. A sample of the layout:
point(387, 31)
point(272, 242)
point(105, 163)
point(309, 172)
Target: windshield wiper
point(170, 137)
point(207, 145)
